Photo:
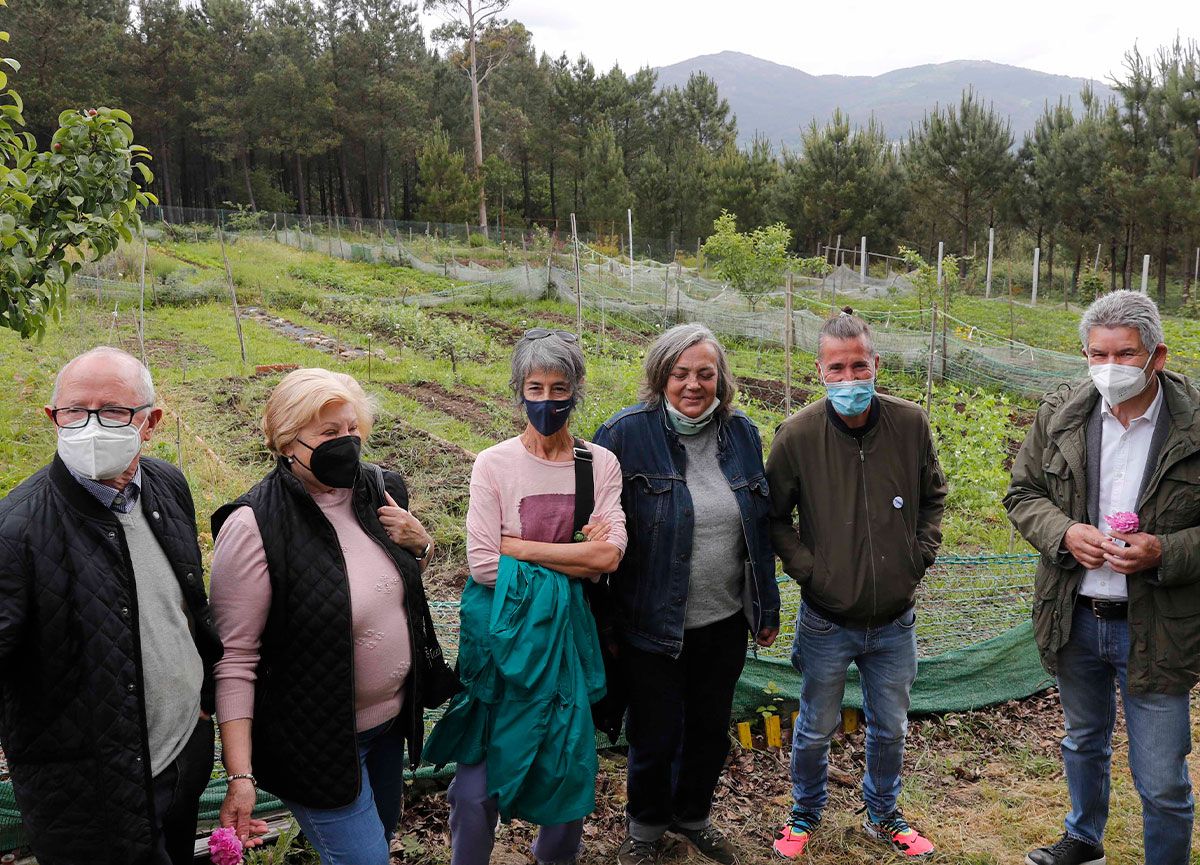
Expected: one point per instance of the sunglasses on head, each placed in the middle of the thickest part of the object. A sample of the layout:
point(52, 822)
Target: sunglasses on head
point(542, 333)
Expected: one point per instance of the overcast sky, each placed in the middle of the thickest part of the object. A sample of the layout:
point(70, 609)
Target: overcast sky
point(860, 37)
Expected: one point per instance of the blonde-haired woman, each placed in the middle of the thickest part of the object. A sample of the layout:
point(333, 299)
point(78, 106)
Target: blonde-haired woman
point(330, 655)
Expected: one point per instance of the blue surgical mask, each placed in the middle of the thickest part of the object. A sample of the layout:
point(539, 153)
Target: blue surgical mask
point(850, 398)
point(548, 416)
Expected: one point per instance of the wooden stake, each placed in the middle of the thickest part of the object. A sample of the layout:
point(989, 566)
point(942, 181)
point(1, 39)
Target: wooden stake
point(932, 349)
point(744, 737)
point(142, 300)
point(771, 727)
point(237, 315)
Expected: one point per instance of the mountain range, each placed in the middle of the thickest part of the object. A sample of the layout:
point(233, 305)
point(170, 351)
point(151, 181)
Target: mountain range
point(776, 101)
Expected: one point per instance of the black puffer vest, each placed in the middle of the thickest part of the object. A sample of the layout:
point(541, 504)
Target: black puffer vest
point(72, 711)
point(303, 736)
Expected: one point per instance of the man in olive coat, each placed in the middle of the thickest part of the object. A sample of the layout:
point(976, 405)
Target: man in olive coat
point(1118, 608)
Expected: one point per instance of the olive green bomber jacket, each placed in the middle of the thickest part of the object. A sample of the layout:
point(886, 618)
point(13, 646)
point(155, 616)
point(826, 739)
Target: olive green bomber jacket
point(1049, 494)
point(857, 525)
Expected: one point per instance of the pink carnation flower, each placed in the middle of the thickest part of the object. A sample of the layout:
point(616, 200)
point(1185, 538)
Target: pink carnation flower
point(224, 848)
point(1123, 521)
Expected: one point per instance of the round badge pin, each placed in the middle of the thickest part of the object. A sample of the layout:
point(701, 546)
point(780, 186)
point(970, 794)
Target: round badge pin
point(898, 502)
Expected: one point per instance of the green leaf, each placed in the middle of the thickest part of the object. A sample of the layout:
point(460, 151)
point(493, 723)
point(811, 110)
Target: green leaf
point(76, 200)
point(147, 174)
point(14, 65)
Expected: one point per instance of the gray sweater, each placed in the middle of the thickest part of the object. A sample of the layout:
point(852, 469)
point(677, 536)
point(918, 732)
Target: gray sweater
point(718, 544)
point(172, 672)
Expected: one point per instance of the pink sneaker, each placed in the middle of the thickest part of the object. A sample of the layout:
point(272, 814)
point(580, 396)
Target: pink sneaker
point(791, 840)
point(897, 834)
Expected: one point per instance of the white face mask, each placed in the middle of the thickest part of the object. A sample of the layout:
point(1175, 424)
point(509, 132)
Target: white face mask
point(99, 452)
point(1118, 382)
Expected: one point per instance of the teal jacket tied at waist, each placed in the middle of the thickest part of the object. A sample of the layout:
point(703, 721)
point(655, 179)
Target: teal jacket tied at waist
point(530, 664)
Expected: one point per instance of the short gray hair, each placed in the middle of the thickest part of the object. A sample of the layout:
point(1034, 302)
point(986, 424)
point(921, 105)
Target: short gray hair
point(664, 354)
point(846, 325)
point(548, 354)
point(142, 379)
point(1124, 309)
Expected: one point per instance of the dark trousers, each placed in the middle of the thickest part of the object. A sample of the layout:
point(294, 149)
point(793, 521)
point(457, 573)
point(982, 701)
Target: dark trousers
point(177, 791)
point(678, 726)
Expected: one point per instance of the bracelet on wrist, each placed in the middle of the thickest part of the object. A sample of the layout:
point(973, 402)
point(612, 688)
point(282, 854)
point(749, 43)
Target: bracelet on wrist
point(424, 554)
point(236, 775)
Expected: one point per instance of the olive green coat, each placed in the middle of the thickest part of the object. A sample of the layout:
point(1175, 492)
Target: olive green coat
point(1049, 494)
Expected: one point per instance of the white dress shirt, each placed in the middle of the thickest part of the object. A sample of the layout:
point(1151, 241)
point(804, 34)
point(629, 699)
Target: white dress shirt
point(1123, 455)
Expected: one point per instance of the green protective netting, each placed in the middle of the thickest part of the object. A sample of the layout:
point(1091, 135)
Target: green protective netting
point(975, 647)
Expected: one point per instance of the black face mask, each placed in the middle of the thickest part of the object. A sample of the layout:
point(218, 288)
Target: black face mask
point(335, 462)
point(548, 416)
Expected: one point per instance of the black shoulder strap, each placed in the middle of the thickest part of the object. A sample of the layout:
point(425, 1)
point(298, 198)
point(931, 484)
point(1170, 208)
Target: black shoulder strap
point(585, 486)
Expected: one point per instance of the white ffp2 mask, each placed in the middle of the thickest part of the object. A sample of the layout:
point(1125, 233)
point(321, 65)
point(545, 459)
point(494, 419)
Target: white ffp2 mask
point(99, 452)
point(1118, 382)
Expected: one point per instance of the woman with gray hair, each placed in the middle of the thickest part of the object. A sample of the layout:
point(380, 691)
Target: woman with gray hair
point(694, 492)
point(524, 510)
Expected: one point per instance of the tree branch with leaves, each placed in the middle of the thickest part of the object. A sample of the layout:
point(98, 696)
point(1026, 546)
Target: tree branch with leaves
point(59, 207)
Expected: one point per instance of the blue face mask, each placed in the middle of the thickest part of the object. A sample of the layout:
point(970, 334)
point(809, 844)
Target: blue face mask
point(850, 398)
point(548, 416)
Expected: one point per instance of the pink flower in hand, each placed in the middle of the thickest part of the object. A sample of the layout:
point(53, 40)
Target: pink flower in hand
point(224, 848)
point(1125, 522)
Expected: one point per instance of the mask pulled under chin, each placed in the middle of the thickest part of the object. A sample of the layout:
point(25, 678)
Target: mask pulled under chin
point(548, 416)
point(99, 452)
point(335, 462)
point(1118, 382)
point(689, 426)
point(850, 398)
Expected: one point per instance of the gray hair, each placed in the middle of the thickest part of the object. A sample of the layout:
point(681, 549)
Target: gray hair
point(662, 356)
point(1124, 309)
point(549, 354)
point(142, 379)
point(846, 325)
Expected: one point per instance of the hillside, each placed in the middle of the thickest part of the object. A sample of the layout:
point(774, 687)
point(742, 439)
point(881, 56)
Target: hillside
point(776, 101)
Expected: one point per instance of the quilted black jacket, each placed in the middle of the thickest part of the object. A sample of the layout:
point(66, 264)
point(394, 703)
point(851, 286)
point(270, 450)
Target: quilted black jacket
point(72, 714)
point(304, 745)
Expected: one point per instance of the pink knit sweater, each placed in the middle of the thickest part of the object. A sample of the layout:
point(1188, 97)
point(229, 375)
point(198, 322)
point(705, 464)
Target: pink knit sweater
point(241, 599)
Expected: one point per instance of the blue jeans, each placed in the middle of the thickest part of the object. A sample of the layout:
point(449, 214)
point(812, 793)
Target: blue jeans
point(887, 662)
point(358, 834)
point(1090, 668)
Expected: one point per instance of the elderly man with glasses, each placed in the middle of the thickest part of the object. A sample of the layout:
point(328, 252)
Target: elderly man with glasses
point(106, 641)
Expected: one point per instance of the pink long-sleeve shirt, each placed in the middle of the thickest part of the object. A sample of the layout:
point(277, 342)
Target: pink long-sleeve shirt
point(515, 494)
point(241, 599)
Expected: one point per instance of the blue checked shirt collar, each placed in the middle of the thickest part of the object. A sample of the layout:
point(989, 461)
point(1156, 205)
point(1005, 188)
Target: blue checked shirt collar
point(123, 501)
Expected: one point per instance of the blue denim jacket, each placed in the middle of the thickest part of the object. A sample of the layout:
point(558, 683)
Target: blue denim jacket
point(650, 587)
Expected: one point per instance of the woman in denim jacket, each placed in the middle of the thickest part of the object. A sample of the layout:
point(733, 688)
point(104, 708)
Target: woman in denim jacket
point(697, 579)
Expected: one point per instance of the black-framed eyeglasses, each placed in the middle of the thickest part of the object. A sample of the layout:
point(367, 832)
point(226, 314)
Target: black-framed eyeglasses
point(74, 417)
point(542, 333)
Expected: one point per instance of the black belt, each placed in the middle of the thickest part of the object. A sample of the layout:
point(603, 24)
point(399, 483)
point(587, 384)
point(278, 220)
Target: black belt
point(1102, 609)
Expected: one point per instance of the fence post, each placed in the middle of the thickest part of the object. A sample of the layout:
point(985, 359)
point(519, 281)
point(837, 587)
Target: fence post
point(1037, 270)
point(787, 348)
point(629, 216)
point(1145, 274)
point(1096, 263)
point(987, 291)
point(837, 253)
point(932, 350)
point(578, 288)
point(862, 263)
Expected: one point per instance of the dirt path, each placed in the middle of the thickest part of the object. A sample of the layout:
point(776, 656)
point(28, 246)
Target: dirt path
point(308, 336)
point(473, 406)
